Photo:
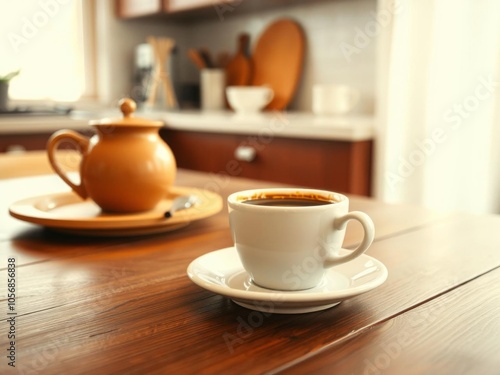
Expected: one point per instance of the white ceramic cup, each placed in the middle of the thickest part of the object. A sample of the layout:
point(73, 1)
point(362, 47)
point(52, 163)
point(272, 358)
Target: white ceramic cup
point(334, 99)
point(290, 247)
point(249, 99)
point(213, 83)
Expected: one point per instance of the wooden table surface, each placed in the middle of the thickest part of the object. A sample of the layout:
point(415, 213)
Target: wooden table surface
point(126, 305)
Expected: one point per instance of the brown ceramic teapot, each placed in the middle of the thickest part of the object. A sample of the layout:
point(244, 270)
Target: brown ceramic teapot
point(125, 167)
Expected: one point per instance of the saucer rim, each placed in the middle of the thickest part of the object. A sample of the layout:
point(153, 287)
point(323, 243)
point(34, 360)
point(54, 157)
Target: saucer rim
point(289, 297)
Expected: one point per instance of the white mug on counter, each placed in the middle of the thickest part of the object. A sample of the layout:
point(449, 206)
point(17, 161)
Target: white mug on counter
point(334, 99)
point(213, 86)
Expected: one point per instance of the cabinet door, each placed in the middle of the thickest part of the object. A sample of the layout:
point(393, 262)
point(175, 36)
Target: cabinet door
point(23, 142)
point(332, 165)
point(206, 152)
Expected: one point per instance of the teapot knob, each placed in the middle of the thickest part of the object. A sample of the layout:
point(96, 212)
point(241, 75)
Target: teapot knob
point(127, 106)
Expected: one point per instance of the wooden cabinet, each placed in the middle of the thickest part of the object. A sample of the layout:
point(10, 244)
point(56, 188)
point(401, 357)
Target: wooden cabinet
point(31, 141)
point(336, 165)
point(23, 142)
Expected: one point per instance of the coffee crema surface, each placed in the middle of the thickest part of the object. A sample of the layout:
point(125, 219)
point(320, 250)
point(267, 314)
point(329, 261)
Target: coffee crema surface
point(287, 202)
point(288, 199)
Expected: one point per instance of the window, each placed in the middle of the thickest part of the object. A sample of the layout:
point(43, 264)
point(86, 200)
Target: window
point(49, 42)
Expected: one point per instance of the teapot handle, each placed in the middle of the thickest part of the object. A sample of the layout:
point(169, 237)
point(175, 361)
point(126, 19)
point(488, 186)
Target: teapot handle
point(83, 144)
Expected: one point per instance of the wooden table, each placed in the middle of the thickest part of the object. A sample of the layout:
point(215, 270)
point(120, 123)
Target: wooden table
point(126, 306)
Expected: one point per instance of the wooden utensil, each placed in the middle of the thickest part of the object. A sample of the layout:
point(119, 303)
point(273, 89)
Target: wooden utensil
point(239, 68)
point(162, 48)
point(277, 61)
point(207, 57)
point(222, 59)
point(195, 57)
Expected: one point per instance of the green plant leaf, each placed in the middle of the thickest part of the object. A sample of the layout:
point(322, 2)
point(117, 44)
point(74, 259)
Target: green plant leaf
point(9, 76)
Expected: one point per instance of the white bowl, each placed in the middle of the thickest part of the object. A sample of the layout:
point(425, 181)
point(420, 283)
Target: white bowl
point(249, 99)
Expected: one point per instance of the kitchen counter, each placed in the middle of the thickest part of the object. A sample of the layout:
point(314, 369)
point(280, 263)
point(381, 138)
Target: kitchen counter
point(289, 147)
point(282, 124)
point(32, 124)
point(285, 124)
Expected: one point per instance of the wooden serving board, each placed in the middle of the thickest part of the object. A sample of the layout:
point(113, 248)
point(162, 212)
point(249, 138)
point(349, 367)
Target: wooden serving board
point(239, 69)
point(277, 61)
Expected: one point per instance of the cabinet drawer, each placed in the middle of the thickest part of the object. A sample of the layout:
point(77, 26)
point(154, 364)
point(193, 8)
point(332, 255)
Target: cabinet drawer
point(23, 142)
point(334, 165)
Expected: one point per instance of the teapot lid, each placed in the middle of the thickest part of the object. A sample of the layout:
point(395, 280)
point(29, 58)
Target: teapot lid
point(127, 107)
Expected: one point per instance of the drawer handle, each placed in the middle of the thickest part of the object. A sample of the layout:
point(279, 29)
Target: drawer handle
point(15, 149)
point(245, 153)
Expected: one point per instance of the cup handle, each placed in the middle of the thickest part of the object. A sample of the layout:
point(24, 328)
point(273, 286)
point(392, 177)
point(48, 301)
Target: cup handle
point(52, 144)
point(369, 234)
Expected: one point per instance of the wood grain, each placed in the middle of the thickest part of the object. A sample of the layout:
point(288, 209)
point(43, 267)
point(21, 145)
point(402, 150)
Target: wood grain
point(131, 304)
point(127, 306)
point(447, 335)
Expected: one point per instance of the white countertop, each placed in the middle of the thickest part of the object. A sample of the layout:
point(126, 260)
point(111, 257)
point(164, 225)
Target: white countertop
point(278, 124)
point(33, 124)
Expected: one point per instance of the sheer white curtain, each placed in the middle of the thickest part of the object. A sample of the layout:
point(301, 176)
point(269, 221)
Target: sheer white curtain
point(438, 109)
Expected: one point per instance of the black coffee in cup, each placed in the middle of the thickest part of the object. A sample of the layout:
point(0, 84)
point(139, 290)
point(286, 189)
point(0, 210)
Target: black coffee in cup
point(280, 200)
point(288, 202)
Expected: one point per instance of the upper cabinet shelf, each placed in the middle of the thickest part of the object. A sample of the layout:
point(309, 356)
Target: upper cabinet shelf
point(127, 9)
point(137, 8)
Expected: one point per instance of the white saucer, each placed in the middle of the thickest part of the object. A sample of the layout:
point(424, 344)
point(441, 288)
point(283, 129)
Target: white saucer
point(221, 272)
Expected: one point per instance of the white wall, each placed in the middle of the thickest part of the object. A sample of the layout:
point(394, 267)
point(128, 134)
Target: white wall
point(326, 26)
point(116, 41)
point(331, 28)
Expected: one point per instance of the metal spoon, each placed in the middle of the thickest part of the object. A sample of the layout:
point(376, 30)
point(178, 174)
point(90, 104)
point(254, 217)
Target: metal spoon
point(181, 203)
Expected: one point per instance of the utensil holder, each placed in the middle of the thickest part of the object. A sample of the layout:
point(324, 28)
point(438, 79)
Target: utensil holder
point(213, 82)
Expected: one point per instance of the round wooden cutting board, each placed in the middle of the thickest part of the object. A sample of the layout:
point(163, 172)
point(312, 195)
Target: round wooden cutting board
point(277, 61)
